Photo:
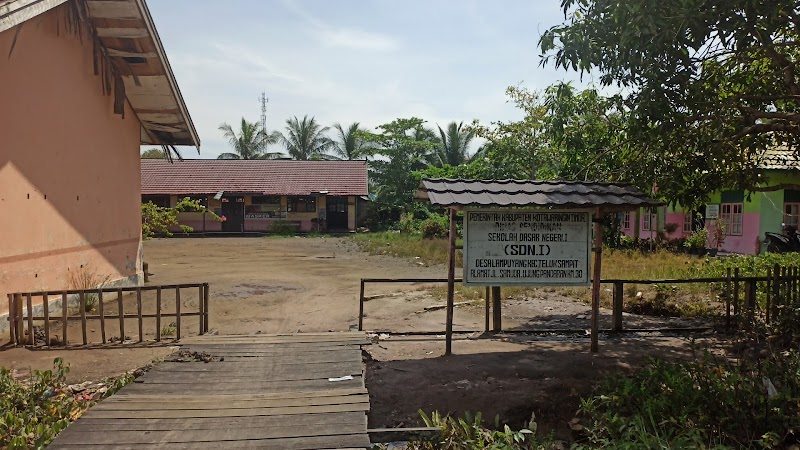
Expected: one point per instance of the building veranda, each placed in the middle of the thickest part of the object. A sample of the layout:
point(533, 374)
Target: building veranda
point(258, 195)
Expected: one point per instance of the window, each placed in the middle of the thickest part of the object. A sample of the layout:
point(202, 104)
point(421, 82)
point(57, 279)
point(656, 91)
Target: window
point(302, 204)
point(687, 221)
point(790, 213)
point(649, 219)
point(626, 220)
point(158, 200)
point(263, 204)
point(731, 215)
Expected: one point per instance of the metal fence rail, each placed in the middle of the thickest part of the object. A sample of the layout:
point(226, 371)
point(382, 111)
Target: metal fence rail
point(779, 288)
point(22, 314)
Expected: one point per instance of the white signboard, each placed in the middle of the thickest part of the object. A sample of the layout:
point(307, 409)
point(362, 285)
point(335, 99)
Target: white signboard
point(516, 247)
point(712, 212)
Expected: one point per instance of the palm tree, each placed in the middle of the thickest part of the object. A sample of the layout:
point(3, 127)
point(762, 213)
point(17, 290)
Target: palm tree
point(250, 143)
point(454, 147)
point(305, 139)
point(349, 145)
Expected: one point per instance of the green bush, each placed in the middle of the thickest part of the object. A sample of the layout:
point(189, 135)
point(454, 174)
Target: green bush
point(33, 414)
point(283, 228)
point(697, 239)
point(435, 226)
point(468, 433)
point(703, 404)
point(407, 223)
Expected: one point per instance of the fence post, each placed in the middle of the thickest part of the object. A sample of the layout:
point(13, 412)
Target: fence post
point(178, 312)
point(768, 305)
point(31, 334)
point(139, 313)
point(101, 311)
point(200, 297)
point(121, 313)
point(82, 301)
point(361, 307)
point(19, 320)
point(776, 290)
point(46, 313)
point(486, 326)
point(497, 309)
point(736, 293)
point(616, 317)
point(158, 313)
point(12, 323)
point(728, 297)
point(64, 315)
point(205, 308)
point(750, 298)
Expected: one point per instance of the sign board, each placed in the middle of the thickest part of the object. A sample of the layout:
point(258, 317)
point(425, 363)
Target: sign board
point(712, 212)
point(519, 247)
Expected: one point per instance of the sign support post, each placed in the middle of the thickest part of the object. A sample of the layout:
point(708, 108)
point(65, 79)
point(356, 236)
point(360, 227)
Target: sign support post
point(598, 255)
point(451, 275)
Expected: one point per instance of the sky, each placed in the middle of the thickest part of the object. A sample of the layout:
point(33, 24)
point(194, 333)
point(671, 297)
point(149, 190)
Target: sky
point(344, 61)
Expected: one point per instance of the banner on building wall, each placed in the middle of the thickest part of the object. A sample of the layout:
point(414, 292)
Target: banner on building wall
point(530, 248)
point(712, 212)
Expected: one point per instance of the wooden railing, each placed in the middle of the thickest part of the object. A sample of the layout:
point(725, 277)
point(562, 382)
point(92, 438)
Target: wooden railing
point(23, 313)
point(779, 287)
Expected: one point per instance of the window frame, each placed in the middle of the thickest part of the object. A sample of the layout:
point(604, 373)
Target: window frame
point(159, 200)
point(647, 219)
point(795, 214)
point(728, 214)
point(688, 220)
point(310, 203)
point(626, 220)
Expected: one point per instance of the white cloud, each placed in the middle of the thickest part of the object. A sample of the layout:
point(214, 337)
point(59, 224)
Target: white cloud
point(356, 39)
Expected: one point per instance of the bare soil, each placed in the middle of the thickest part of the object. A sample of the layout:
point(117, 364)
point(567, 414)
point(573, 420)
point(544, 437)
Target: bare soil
point(280, 285)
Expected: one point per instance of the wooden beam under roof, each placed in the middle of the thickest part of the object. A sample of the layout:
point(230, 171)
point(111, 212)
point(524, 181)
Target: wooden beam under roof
point(126, 33)
point(113, 10)
point(124, 54)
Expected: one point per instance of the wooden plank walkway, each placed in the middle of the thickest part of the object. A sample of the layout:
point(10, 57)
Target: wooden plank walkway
point(256, 392)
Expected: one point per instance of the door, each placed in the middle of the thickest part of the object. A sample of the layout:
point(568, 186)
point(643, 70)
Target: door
point(337, 213)
point(233, 210)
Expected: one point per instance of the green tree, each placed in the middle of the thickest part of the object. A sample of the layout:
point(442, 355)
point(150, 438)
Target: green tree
point(709, 84)
point(250, 142)
point(454, 145)
point(585, 135)
point(153, 153)
point(305, 139)
point(400, 148)
point(348, 144)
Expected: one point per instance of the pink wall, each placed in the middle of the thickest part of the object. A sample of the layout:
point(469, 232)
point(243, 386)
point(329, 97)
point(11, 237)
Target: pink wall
point(746, 243)
point(69, 167)
point(677, 219)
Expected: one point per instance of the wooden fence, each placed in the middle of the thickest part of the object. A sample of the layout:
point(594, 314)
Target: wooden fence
point(779, 288)
point(22, 312)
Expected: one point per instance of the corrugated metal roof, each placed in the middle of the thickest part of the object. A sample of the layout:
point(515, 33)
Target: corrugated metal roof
point(779, 159)
point(563, 194)
point(267, 177)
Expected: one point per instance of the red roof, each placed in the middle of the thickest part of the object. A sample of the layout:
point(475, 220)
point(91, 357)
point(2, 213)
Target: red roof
point(266, 177)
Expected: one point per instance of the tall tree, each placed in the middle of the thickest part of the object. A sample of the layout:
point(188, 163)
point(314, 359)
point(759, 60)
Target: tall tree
point(349, 143)
point(250, 142)
point(709, 83)
point(305, 139)
point(402, 147)
point(153, 153)
point(454, 145)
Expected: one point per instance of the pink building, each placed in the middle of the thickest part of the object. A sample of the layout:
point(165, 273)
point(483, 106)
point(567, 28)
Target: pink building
point(254, 195)
point(83, 85)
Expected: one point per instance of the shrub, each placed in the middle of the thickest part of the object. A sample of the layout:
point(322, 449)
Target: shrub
point(32, 415)
point(697, 239)
point(699, 404)
point(435, 226)
point(158, 219)
point(407, 223)
point(468, 433)
point(283, 228)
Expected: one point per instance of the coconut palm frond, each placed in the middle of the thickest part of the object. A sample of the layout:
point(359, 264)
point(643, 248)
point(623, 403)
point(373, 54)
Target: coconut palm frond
point(305, 139)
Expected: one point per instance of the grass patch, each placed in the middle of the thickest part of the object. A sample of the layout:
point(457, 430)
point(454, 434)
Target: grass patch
point(403, 245)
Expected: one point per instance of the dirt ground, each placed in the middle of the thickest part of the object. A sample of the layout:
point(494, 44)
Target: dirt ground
point(271, 285)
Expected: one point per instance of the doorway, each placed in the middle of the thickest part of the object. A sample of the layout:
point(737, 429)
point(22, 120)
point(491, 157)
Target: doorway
point(233, 210)
point(337, 213)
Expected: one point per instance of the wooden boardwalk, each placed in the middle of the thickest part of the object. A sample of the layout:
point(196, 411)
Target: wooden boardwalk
point(257, 392)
